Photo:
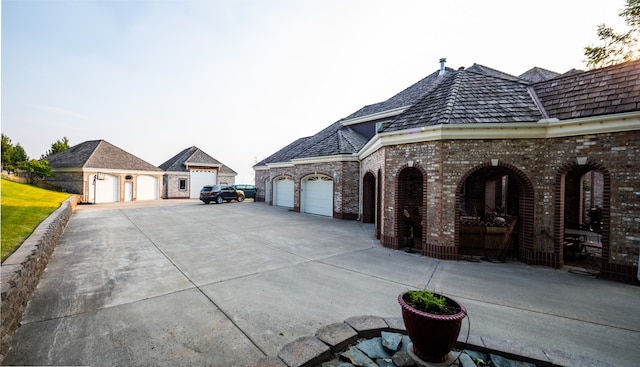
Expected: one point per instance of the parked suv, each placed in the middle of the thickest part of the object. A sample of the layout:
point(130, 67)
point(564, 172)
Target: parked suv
point(249, 190)
point(220, 194)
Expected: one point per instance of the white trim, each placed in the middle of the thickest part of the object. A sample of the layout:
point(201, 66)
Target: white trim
point(375, 116)
point(546, 128)
point(329, 158)
point(202, 165)
point(114, 171)
point(279, 165)
point(261, 168)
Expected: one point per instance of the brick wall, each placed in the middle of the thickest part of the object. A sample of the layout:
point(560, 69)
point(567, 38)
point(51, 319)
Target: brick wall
point(21, 271)
point(345, 176)
point(537, 166)
point(171, 186)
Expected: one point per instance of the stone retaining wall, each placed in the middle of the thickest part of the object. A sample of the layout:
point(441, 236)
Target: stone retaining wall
point(21, 271)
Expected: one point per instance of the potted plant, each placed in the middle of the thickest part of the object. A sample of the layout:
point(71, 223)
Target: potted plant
point(433, 323)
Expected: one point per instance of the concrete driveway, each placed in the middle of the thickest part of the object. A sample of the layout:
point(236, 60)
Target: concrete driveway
point(177, 282)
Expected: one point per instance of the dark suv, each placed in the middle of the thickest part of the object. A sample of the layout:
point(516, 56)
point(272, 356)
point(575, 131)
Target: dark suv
point(249, 190)
point(220, 194)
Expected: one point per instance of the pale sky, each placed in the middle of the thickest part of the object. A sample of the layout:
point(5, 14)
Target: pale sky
point(242, 79)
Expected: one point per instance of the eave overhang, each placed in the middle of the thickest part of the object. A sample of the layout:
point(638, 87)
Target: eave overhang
point(542, 129)
point(375, 116)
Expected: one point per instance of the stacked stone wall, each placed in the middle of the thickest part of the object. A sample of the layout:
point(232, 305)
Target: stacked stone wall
point(72, 182)
point(22, 270)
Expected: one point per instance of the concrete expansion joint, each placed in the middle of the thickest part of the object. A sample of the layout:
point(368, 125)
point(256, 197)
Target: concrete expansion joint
point(332, 339)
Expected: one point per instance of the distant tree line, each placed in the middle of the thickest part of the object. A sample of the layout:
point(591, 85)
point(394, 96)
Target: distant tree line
point(16, 160)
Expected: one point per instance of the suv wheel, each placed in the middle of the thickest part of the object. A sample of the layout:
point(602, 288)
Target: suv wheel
point(219, 199)
point(240, 198)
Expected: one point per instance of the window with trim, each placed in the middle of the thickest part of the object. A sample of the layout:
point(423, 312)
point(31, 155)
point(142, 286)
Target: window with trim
point(182, 184)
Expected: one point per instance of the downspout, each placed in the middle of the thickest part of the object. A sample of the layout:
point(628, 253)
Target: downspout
point(360, 195)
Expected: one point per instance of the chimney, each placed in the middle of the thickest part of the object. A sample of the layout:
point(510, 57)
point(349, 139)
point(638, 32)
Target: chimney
point(442, 61)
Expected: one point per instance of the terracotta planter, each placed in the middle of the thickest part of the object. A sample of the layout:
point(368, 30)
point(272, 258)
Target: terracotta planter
point(432, 335)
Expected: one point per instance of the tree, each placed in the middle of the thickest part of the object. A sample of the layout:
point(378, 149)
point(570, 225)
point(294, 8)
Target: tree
point(35, 170)
point(617, 47)
point(57, 147)
point(18, 155)
point(7, 151)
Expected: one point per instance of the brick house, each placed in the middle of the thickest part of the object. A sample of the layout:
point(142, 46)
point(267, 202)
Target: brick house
point(543, 149)
point(104, 173)
point(191, 169)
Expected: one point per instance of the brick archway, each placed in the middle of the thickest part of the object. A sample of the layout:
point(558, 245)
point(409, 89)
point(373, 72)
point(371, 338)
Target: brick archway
point(368, 198)
point(410, 188)
point(560, 200)
point(525, 208)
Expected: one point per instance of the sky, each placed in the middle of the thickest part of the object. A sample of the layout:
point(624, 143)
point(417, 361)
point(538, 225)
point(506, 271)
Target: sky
point(242, 79)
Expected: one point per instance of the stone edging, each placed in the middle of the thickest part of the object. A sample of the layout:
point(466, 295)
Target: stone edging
point(334, 338)
point(21, 272)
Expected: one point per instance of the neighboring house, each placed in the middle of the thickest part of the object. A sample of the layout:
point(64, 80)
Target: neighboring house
point(104, 173)
point(545, 148)
point(191, 169)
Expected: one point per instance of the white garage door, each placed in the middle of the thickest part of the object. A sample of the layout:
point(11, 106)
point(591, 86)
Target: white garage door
point(147, 188)
point(317, 195)
point(283, 192)
point(106, 190)
point(200, 178)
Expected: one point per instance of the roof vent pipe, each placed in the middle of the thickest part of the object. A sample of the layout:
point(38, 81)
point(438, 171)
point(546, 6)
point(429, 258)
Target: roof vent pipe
point(442, 61)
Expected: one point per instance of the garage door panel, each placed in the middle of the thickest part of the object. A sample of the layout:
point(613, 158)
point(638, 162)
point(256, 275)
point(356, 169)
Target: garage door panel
point(147, 188)
point(199, 179)
point(283, 190)
point(106, 190)
point(318, 196)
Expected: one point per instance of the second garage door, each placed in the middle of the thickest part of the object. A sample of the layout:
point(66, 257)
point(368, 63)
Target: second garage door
point(283, 192)
point(317, 195)
point(147, 188)
point(199, 179)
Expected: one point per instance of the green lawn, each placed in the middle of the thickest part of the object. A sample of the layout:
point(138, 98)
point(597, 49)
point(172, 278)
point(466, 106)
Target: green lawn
point(23, 208)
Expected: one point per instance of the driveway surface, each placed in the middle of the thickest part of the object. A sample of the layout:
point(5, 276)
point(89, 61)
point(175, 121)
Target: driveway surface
point(177, 282)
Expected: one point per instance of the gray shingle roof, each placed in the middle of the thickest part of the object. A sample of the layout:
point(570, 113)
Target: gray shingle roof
point(471, 96)
point(613, 89)
point(192, 156)
point(406, 97)
point(333, 140)
point(537, 74)
point(98, 154)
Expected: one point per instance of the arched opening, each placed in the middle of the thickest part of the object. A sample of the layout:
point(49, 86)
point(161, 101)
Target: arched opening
point(583, 216)
point(368, 198)
point(410, 209)
point(495, 214)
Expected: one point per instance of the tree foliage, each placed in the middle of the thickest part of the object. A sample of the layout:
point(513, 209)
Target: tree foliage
point(57, 147)
point(18, 154)
point(617, 47)
point(7, 151)
point(35, 170)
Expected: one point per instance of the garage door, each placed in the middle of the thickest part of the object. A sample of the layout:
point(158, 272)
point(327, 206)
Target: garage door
point(200, 178)
point(317, 195)
point(105, 190)
point(147, 188)
point(283, 191)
